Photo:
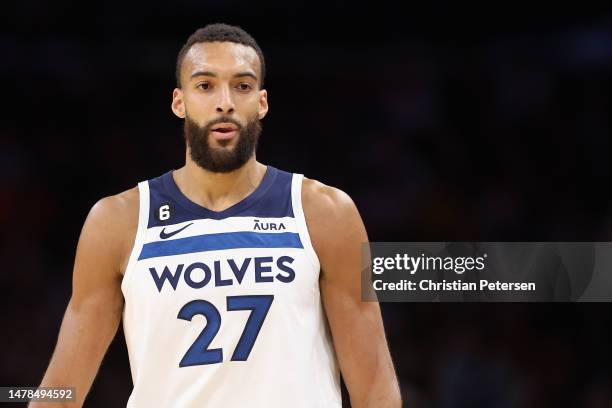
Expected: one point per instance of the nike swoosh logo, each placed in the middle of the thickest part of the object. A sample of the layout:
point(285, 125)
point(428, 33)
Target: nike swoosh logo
point(165, 235)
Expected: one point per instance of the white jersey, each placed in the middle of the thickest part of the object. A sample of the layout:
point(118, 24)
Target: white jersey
point(223, 309)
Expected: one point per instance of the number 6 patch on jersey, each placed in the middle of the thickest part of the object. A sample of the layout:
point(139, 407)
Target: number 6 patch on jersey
point(164, 212)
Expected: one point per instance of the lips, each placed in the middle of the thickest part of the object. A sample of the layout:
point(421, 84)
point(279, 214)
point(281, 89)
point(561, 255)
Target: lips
point(224, 131)
point(224, 127)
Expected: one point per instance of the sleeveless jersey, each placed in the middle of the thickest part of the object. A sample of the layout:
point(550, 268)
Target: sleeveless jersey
point(223, 309)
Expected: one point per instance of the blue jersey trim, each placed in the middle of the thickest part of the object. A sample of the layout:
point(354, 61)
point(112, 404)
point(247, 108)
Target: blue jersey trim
point(183, 201)
point(220, 241)
point(270, 199)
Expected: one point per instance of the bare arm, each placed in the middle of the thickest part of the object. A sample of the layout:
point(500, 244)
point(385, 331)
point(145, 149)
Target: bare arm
point(337, 233)
point(94, 311)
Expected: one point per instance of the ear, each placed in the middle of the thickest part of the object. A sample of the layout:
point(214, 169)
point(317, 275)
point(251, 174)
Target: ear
point(178, 104)
point(263, 103)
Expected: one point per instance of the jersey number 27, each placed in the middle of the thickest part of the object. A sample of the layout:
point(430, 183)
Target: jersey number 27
point(199, 353)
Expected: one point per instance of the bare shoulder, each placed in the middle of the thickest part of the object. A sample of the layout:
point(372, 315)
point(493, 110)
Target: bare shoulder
point(331, 216)
point(112, 223)
point(319, 199)
point(117, 213)
point(120, 207)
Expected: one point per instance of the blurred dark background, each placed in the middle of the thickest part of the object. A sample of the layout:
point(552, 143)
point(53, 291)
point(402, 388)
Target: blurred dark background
point(443, 121)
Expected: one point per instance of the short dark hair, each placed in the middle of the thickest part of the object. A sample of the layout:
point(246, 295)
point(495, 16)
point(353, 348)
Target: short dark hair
point(220, 32)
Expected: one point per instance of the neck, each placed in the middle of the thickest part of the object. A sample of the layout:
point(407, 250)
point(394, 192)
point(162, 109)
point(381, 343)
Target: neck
point(218, 191)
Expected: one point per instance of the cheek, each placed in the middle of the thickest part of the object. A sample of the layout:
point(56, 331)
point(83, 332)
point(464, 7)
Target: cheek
point(198, 101)
point(250, 106)
point(199, 110)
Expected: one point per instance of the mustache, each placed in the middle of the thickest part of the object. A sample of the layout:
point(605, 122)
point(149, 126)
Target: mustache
point(224, 119)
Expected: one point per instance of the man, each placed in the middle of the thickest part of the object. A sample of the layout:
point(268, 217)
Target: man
point(238, 283)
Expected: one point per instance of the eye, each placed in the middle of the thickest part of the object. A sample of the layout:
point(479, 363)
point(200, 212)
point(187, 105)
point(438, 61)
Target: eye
point(243, 86)
point(204, 86)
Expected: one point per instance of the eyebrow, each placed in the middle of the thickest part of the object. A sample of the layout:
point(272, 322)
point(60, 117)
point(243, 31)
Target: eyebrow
point(212, 74)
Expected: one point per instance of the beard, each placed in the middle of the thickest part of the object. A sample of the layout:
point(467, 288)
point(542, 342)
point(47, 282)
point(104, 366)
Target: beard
point(221, 159)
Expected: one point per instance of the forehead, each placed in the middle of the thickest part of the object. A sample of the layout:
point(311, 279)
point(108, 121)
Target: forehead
point(220, 58)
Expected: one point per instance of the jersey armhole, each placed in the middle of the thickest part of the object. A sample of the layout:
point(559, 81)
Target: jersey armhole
point(143, 219)
point(300, 220)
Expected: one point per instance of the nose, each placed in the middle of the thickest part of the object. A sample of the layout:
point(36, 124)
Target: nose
point(225, 103)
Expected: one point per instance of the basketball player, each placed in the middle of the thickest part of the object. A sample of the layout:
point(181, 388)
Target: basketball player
point(238, 283)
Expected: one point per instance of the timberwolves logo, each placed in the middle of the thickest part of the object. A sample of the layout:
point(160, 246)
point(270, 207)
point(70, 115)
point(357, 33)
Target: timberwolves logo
point(268, 226)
